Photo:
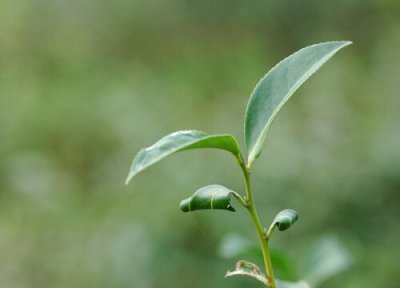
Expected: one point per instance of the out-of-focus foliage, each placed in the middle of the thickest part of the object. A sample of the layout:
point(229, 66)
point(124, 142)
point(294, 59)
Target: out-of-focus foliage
point(327, 258)
point(85, 84)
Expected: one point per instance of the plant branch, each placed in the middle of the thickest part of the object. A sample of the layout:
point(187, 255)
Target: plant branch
point(270, 230)
point(257, 224)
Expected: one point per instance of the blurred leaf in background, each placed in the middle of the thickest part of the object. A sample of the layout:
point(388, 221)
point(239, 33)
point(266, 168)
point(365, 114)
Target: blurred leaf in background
point(327, 258)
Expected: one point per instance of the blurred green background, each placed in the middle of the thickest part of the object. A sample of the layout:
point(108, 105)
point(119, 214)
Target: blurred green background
point(85, 84)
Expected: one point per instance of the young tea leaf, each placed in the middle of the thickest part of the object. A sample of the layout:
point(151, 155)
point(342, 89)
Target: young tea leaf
point(179, 141)
point(285, 219)
point(277, 86)
point(209, 197)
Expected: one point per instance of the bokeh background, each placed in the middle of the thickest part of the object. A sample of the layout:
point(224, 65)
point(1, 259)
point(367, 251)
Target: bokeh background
point(85, 84)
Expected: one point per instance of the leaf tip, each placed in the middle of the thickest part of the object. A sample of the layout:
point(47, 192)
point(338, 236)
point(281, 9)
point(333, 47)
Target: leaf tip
point(129, 178)
point(185, 205)
point(346, 43)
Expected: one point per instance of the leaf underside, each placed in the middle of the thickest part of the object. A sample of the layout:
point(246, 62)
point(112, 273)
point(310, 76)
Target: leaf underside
point(179, 141)
point(277, 86)
point(209, 197)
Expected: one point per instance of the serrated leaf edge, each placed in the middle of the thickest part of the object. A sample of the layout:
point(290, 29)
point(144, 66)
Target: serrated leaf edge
point(254, 153)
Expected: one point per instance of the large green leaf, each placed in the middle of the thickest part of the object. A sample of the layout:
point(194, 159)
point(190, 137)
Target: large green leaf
point(276, 87)
point(209, 197)
point(179, 141)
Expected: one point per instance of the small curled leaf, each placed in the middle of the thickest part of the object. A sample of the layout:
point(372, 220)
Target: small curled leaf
point(285, 219)
point(248, 269)
point(209, 197)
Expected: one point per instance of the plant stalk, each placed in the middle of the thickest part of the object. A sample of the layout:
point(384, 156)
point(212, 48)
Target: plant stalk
point(257, 224)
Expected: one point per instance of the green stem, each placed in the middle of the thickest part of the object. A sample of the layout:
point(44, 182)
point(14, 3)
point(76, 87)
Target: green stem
point(257, 224)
